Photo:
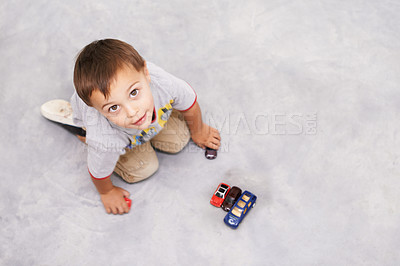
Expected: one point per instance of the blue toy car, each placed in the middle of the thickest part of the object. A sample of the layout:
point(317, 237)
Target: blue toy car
point(242, 206)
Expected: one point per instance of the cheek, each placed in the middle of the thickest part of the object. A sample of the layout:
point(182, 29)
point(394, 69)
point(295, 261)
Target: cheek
point(116, 119)
point(149, 100)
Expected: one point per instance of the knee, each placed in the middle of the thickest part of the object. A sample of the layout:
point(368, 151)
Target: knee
point(136, 175)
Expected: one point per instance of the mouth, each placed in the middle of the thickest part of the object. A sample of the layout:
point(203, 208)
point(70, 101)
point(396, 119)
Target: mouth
point(140, 121)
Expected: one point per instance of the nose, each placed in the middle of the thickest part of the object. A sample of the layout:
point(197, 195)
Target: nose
point(131, 111)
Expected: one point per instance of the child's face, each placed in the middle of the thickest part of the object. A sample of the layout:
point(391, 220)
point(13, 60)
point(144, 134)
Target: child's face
point(130, 103)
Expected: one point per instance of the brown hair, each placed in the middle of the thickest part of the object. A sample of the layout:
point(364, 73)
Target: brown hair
point(98, 63)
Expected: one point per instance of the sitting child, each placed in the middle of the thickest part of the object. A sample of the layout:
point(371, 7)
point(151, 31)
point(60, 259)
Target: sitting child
point(126, 106)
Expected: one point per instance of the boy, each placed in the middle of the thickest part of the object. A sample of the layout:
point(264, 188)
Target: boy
point(127, 105)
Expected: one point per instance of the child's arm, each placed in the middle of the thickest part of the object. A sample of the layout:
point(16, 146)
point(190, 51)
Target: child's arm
point(202, 134)
point(112, 196)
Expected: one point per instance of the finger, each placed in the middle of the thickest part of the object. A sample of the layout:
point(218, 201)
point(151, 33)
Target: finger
point(115, 210)
point(126, 208)
point(108, 210)
point(125, 193)
point(216, 140)
point(214, 146)
point(201, 146)
point(216, 135)
point(120, 209)
point(214, 131)
point(215, 143)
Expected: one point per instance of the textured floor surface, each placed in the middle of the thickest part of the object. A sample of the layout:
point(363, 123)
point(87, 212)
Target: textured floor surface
point(305, 94)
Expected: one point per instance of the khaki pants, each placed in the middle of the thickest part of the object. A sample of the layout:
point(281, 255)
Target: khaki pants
point(141, 161)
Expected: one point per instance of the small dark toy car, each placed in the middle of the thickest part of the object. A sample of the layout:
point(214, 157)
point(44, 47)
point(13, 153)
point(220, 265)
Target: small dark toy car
point(220, 194)
point(242, 206)
point(210, 154)
point(231, 198)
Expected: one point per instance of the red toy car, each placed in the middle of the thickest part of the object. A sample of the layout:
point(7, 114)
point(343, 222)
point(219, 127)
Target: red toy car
point(220, 194)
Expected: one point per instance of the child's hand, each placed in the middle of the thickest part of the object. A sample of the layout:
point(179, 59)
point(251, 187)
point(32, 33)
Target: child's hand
point(114, 201)
point(207, 137)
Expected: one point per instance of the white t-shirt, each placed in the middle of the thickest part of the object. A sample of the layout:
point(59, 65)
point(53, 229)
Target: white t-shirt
point(107, 141)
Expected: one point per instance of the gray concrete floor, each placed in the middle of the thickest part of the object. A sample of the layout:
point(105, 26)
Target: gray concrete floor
point(305, 93)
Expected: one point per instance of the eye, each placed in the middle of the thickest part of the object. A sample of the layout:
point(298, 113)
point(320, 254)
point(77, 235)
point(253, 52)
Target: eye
point(113, 108)
point(134, 93)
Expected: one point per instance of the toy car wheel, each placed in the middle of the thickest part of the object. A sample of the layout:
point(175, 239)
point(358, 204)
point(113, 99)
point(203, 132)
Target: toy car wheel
point(254, 204)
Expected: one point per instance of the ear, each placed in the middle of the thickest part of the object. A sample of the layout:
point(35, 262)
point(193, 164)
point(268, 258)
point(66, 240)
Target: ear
point(146, 72)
